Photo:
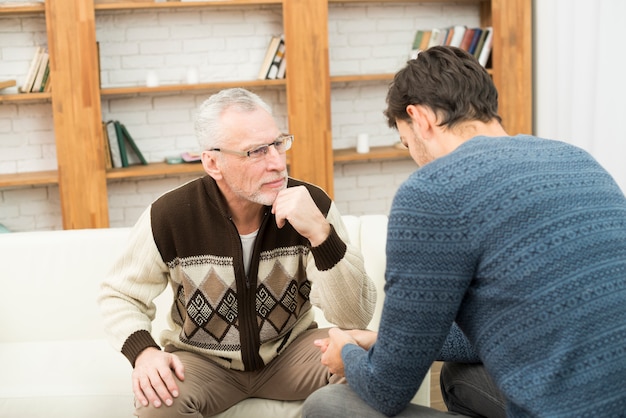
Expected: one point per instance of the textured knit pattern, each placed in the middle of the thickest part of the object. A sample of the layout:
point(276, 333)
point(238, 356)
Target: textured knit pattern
point(187, 241)
point(522, 241)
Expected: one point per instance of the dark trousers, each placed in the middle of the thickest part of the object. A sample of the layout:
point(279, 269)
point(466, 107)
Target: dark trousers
point(467, 389)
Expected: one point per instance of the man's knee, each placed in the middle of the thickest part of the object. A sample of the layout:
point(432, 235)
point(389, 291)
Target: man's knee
point(327, 401)
point(468, 389)
point(180, 408)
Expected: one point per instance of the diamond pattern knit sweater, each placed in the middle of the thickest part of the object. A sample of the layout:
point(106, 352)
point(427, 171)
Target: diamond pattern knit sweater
point(522, 242)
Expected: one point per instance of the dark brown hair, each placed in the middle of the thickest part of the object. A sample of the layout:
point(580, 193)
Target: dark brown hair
point(448, 80)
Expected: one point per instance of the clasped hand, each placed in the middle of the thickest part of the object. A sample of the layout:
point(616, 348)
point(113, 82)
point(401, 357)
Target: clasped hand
point(331, 347)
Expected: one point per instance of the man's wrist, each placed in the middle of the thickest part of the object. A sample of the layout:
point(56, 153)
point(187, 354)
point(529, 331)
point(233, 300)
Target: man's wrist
point(136, 344)
point(330, 251)
point(321, 236)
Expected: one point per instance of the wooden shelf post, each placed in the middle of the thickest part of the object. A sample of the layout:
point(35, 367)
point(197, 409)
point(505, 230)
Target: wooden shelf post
point(76, 106)
point(512, 63)
point(308, 91)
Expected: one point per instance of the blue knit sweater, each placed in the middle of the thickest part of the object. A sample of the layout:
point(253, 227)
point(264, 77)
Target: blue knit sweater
point(522, 242)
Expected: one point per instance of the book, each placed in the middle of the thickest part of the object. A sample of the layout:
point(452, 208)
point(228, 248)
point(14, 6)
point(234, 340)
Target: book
point(41, 70)
point(449, 35)
point(282, 68)
point(467, 39)
point(485, 52)
point(481, 42)
point(417, 41)
point(475, 39)
point(46, 78)
point(435, 37)
point(425, 40)
point(269, 57)
point(278, 58)
point(108, 162)
point(129, 151)
point(48, 87)
point(29, 78)
point(116, 157)
point(457, 37)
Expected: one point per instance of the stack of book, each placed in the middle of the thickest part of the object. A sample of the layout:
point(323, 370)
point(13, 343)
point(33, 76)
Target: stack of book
point(37, 78)
point(274, 64)
point(120, 149)
point(477, 41)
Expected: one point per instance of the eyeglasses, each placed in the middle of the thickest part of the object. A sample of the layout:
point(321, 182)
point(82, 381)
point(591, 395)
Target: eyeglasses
point(282, 143)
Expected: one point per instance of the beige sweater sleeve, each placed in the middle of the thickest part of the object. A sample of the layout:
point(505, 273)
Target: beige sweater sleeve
point(345, 293)
point(127, 293)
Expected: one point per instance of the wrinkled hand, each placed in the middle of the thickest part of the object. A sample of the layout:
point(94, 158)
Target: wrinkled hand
point(364, 337)
point(153, 380)
point(295, 204)
point(331, 349)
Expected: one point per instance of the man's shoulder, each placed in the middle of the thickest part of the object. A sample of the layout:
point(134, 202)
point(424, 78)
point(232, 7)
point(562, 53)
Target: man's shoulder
point(190, 188)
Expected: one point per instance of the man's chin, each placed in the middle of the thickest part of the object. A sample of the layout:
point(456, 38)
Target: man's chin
point(266, 199)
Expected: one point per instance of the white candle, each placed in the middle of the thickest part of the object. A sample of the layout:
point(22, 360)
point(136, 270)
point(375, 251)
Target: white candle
point(152, 79)
point(363, 143)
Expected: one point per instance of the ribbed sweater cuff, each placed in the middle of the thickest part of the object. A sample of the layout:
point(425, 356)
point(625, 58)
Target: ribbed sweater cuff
point(329, 252)
point(136, 343)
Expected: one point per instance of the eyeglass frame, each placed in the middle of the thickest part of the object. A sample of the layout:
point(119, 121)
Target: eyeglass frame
point(263, 149)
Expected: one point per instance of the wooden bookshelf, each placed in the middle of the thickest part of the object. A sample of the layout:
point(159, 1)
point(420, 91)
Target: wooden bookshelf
point(123, 91)
point(25, 98)
point(122, 5)
point(76, 107)
point(153, 170)
point(376, 153)
point(23, 8)
point(33, 178)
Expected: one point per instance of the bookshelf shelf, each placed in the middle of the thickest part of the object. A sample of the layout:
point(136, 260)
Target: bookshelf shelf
point(34, 178)
point(25, 97)
point(153, 169)
point(363, 77)
point(350, 78)
point(26, 8)
point(389, 152)
point(396, 1)
point(131, 90)
point(180, 4)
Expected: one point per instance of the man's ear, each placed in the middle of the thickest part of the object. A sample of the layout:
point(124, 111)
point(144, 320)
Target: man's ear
point(423, 118)
point(209, 163)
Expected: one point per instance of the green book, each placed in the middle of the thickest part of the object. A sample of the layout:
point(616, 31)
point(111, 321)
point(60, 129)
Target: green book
point(121, 143)
point(134, 149)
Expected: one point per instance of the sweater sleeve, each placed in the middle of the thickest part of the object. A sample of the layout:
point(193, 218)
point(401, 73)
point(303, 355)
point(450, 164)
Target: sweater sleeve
point(340, 286)
point(426, 277)
point(126, 296)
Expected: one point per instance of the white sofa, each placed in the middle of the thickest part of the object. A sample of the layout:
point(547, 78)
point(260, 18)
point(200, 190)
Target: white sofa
point(56, 361)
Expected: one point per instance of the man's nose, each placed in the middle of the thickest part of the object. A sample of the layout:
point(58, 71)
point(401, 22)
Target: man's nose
point(275, 159)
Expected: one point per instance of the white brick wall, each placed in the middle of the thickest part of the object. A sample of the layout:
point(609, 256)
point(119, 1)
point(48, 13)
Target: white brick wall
point(223, 44)
point(368, 187)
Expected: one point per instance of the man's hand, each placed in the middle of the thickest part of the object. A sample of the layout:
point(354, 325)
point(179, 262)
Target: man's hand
point(364, 337)
point(295, 204)
point(153, 380)
point(331, 349)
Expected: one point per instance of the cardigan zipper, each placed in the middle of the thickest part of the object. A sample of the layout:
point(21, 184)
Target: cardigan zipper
point(246, 299)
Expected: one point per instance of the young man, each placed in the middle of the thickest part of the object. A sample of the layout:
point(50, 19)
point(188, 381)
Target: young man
point(247, 251)
point(515, 244)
